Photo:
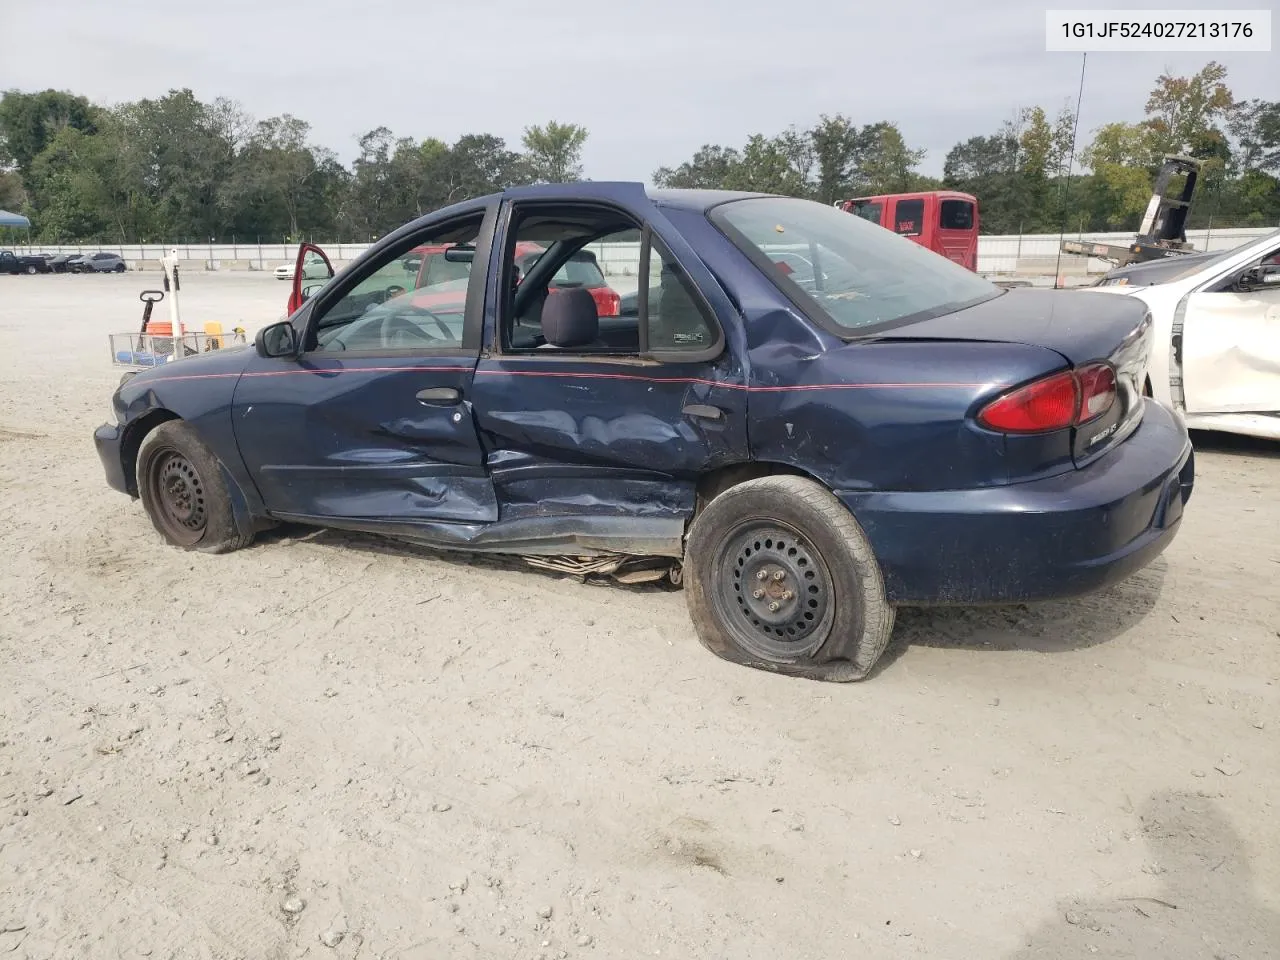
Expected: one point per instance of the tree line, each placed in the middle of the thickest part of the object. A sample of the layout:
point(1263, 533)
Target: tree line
point(177, 168)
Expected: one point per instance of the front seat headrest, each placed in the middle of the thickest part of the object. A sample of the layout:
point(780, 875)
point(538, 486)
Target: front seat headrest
point(569, 318)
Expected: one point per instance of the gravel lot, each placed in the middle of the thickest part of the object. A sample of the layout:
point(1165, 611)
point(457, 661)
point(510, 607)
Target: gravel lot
point(327, 745)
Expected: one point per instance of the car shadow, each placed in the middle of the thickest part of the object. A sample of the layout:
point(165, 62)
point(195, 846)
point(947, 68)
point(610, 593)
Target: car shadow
point(1050, 626)
point(1203, 904)
point(1056, 626)
point(1234, 443)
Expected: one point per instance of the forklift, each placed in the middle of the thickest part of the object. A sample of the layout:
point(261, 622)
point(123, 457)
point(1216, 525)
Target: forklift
point(1163, 232)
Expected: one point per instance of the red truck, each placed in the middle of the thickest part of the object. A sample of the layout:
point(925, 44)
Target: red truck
point(944, 221)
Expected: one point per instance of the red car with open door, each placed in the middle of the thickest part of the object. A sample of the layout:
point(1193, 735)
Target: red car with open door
point(943, 220)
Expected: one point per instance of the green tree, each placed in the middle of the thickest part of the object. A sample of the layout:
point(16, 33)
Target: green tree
point(30, 121)
point(837, 151)
point(555, 151)
point(710, 169)
point(886, 164)
point(1180, 110)
point(765, 167)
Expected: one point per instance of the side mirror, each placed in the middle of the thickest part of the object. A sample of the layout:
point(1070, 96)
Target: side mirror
point(277, 340)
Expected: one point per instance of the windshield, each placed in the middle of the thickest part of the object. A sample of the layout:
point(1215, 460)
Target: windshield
point(858, 277)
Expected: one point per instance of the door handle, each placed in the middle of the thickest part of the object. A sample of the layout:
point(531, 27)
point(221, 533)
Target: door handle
point(703, 411)
point(443, 395)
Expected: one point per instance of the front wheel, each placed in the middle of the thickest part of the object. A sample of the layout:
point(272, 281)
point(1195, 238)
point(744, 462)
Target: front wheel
point(184, 493)
point(781, 577)
point(118, 268)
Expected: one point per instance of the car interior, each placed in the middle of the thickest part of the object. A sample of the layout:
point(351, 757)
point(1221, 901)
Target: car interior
point(545, 314)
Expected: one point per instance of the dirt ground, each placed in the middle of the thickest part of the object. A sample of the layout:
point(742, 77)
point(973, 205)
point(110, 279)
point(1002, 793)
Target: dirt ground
point(326, 745)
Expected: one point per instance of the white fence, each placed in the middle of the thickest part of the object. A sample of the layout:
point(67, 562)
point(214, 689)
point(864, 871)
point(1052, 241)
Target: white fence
point(1027, 254)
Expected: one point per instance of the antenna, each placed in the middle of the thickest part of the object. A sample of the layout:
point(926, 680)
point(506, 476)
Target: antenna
point(1066, 187)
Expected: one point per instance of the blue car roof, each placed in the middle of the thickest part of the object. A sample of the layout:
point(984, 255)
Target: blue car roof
point(693, 200)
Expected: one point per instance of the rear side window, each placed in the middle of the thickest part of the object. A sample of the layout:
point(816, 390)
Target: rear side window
point(956, 215)
point(908, 217)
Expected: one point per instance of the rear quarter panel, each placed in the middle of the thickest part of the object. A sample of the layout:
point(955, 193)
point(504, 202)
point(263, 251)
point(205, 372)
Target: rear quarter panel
point(876, 415)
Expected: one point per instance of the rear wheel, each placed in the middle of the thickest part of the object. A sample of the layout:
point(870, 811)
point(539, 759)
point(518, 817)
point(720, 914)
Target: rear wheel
point(31, 269)
point(118, 268)
point(183, 491)
point(781, 577)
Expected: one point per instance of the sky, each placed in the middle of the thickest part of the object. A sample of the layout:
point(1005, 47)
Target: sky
point(651, 81)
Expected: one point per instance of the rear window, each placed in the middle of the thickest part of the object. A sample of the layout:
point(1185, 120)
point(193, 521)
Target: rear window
point(441, 271)
point(956, 215)
point(857, 277)
point(580, 271)
point(908, 217)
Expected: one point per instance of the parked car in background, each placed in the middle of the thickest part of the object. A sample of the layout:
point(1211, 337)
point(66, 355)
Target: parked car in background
point(1216, 353)
point(11, 262)
point(98, 263)
point(61, 262)
point(802, 458)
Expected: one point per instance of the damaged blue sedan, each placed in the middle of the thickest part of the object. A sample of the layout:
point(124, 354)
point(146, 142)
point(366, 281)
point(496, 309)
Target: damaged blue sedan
point(803, 418)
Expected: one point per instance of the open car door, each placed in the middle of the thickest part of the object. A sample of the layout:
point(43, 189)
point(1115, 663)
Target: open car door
point(1231, 343)
point(311, 272)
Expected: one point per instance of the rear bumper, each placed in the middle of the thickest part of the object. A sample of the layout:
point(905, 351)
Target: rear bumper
point(1059, 537)
point(107, 439)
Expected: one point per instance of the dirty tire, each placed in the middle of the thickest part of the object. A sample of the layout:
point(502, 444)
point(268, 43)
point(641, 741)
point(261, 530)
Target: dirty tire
point(31, 270)
point(183, 491)
point(831, 622)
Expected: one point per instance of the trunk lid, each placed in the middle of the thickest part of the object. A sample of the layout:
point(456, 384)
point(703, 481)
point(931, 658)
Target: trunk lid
point(1082, 328)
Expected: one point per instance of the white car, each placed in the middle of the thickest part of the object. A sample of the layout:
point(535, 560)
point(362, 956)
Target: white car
point(285, 271)
point(1216, 356)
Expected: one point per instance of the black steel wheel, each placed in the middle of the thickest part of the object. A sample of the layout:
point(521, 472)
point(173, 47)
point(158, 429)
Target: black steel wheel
point(780, 576)
point(185, 493)
point(774, 589)
point(179, 495)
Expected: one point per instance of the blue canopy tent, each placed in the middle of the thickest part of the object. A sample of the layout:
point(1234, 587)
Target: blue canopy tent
point(14, 221)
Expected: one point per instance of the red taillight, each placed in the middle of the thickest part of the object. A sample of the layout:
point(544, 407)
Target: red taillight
point(1054, 403)
point(608, 303)
point(1097, 391)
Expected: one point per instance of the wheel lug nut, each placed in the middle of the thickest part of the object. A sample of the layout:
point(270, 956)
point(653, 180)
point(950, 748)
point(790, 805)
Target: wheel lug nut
point(773, 605)
point(786, 594)
point(757, 594)
point(761, 575)
point(779, 575)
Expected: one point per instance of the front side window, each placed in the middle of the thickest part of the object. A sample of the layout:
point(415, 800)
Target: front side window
point(956, 215)
point(862, 277)
point(387, 310)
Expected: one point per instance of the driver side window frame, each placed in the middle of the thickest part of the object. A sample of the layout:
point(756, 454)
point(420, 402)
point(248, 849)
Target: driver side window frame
point(379, 257)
